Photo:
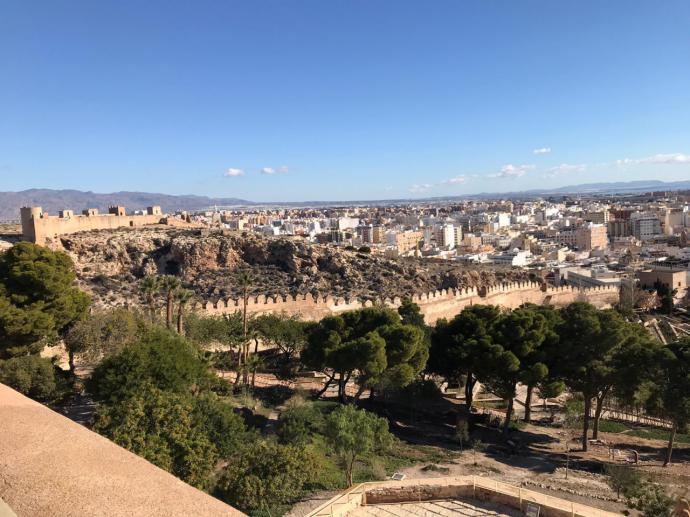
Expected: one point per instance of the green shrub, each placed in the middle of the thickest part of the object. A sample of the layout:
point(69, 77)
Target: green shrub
point(421, 389)
point(608, 426)
point(297, 425)
point(31, 375)
point(265, 475)
point(162, 359)
point(224, 428)
point(162, 427)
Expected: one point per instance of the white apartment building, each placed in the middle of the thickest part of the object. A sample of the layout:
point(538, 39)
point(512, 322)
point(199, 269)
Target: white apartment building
point(457, 233)
point(515, 257)
point(503, 220)
point(445, 236)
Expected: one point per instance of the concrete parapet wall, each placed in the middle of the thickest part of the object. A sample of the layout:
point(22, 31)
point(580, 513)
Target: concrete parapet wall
point(434, 305)
point(468, 488)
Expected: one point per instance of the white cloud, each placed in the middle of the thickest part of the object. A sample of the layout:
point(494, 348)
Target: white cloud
point(542, 150)
point(657, 159)
point(565, 168)
point(233, 173)
point(512, 171)
point(419, 189)
point(272, 170)
point(454, 181)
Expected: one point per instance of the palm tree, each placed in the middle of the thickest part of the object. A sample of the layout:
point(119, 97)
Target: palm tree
point(149, 288)
point(254, 362)
point(182, 296)
point(245, 281)
point(169, 284)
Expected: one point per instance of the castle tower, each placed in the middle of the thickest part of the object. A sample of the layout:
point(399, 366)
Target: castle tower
point(117, 210)
point(31, 229)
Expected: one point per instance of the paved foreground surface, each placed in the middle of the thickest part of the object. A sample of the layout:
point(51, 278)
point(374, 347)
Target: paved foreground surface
point(453, 508)
point(51, 466)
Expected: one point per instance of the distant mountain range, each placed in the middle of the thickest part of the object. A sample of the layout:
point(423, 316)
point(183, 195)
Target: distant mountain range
point(54, 200)
point(618, 187)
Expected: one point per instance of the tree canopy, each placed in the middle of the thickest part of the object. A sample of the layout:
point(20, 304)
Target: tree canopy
point(161, 358)
point(372, 343)
point(515, 354)
point(104, 333)
point(459, 346)
point(590, 340)
point(354, 433)
point(161, 426)
point(669, 394)
point(38, 298)
point(265, 475)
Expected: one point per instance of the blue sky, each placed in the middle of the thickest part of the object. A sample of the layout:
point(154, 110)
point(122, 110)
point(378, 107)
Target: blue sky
point(325, 99)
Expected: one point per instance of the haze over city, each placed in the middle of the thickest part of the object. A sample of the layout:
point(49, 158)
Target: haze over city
point(291, 101)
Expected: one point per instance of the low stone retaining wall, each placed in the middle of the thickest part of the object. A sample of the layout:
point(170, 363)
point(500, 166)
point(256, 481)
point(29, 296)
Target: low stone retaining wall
point(468, 488)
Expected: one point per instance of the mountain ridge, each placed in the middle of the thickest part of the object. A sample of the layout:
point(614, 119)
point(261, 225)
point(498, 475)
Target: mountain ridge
point(53, 200)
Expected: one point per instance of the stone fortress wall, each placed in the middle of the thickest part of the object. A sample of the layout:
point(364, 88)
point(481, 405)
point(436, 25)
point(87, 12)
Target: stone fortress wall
point(38, 226)
point(434, 305)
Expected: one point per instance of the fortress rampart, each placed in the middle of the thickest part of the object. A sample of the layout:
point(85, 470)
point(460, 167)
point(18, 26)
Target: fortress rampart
point(38, 227)
point(434, 305)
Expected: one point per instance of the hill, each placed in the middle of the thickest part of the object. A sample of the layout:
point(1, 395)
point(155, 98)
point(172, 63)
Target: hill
point(54, 200)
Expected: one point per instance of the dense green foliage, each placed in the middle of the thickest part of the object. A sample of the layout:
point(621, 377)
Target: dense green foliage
point(669, 388)
point(31, 375)
point(160, 426)
point(298, 424)
point(514, 357)
point(593, 352)
point(161, 359)
point(104, 333)
point(372, 344)
point(653, 501)
point(223, 427)
point(206, 330)
point(155, 400)
point(353, 432)
point(458, 347)
point(265, 475)
point(38, 299)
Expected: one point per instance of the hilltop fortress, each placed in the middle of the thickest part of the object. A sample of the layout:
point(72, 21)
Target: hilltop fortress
point(434, 305)
point(38, 226)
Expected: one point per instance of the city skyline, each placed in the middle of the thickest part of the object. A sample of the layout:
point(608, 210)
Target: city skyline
point(270, 102)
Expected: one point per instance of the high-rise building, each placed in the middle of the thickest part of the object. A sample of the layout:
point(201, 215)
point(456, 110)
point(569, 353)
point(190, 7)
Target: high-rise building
point(591, 236)
point(600, 217)
point(406, 241)
point(619, 228)
point(445, 236)
point(645, 226)
point(457, 233)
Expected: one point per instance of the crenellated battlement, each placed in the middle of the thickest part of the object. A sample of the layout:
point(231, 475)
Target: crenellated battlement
point(38, 226)
point(444, 303)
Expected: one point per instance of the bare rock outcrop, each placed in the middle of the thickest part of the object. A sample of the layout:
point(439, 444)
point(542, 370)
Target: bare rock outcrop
point(110, 263)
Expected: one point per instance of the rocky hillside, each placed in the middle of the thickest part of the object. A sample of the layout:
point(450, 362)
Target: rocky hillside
point(109, 264)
